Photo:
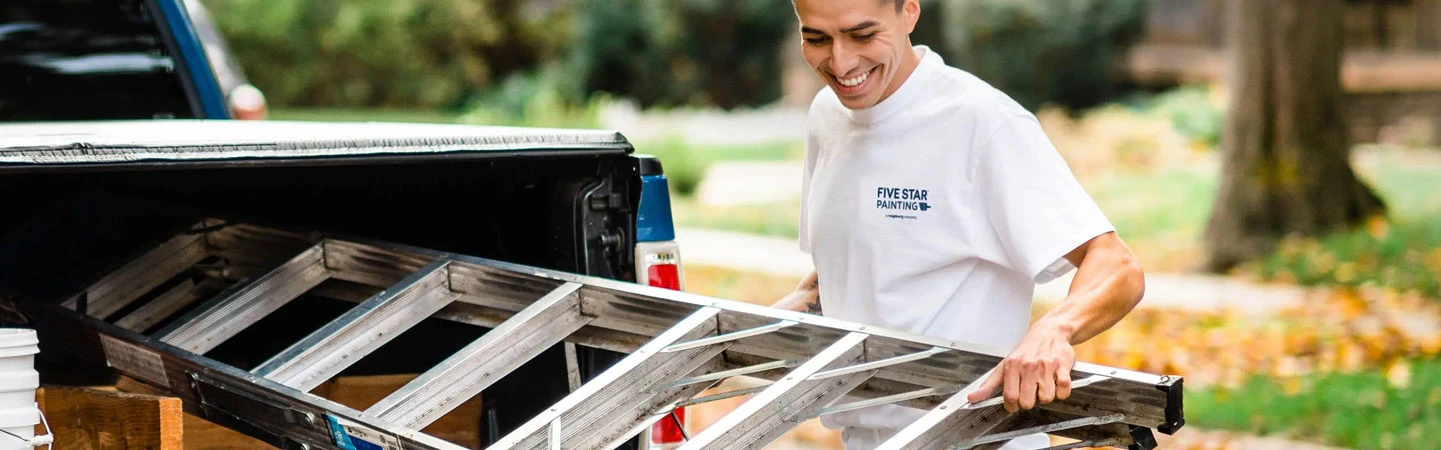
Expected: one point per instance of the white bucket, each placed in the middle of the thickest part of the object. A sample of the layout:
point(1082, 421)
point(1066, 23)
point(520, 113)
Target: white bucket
point(18, 380)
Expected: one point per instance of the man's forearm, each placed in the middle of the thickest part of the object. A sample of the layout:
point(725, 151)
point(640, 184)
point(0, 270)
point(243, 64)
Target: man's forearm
point(805, 298)
point(1108, 284)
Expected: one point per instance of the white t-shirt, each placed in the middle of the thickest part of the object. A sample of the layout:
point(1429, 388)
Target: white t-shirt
point(935, 212)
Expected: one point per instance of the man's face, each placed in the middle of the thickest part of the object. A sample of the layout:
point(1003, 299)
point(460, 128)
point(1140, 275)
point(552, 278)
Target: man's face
point(858, 46)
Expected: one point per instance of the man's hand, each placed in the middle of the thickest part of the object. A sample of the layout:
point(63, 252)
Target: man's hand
point(1108, 285)
point(1037, 372)
point(806, 298)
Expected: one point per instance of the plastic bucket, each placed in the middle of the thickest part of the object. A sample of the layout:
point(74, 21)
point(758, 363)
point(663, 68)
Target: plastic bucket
point(18, 381)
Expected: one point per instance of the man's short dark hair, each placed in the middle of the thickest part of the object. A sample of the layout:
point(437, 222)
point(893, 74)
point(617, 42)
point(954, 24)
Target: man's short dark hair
point(900, 4)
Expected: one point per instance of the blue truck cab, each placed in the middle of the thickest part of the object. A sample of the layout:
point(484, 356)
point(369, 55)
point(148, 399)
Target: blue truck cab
point(117, 59)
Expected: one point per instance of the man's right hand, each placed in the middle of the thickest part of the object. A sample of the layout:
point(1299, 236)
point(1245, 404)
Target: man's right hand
point(806, 298)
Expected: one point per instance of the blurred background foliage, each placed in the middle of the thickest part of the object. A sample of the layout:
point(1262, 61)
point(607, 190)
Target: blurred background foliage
point(1038, 51)
point(465, 54)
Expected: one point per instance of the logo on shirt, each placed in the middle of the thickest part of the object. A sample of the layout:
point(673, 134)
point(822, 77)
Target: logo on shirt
point(902, 200)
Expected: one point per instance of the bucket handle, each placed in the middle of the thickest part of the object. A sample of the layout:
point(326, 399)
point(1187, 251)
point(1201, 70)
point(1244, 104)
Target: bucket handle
point(44, 439)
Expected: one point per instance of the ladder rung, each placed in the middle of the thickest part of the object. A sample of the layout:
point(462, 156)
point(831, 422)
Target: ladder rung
point(993, 401)
point(361, 330)
point(609, 406)
point(734, 335)
point(897, 398)
point(1048, 428)
point(224, 317)
point(763, 418)
point(369, 265)
point(949, 422)
point(484, 361)
point(572, 367)
point(736, 372)
point(155, 311)
point(648, 422)
point(635, 412)
point(713, 397)
point(880, 364)
point(1094, 443)
point(556, 437)
point(152, 269)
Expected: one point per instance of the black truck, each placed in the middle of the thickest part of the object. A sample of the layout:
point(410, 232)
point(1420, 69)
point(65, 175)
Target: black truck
point(89, 176)
point(83, 198)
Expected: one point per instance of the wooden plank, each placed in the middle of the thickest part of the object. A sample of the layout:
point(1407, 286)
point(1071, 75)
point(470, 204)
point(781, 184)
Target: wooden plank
point(461, 426)
point(95, 419)
point(201, 434)
point(198, 433)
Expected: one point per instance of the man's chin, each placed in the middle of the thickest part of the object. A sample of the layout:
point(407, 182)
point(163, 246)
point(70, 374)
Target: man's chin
point(862, 102)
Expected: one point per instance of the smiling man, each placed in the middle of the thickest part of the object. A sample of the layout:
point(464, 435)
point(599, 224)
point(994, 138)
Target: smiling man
point(933, 203)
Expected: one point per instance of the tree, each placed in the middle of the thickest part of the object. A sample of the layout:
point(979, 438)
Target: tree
point(1286, 147)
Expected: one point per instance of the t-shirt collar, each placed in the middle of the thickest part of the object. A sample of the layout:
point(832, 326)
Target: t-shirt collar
point(910, 89)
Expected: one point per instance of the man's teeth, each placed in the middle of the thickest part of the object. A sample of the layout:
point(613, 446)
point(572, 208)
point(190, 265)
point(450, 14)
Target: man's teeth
point(853, 82)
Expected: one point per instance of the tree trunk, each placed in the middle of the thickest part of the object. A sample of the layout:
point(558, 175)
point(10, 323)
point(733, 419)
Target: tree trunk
point(1285, 144)
point(1428, 24)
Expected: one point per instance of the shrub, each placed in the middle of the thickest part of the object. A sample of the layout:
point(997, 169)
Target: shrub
point(537, 99)
point(381, 53)
point(681, 52)
point(1193, 114)
point(1039, 51)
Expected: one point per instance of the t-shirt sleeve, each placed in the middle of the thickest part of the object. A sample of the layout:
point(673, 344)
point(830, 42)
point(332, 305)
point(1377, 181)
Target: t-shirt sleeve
point(1032, 200)
point(806, 174)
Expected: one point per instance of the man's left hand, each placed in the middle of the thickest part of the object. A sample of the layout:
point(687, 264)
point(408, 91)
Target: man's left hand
point(1038, 371)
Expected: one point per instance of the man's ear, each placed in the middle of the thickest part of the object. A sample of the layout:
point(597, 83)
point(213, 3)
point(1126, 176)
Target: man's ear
point(911, 13)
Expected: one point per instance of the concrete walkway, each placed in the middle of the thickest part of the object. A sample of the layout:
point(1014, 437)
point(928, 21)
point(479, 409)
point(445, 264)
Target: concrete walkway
point(1197, 293)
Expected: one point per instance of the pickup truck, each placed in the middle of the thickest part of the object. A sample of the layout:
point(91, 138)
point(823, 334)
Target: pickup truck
point(84, 197)
point(84, 177)
point(127, 59)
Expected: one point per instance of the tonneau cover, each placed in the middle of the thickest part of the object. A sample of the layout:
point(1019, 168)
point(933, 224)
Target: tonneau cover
point(27, 145)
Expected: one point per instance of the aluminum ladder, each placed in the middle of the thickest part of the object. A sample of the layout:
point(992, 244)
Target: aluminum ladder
point(678, 346)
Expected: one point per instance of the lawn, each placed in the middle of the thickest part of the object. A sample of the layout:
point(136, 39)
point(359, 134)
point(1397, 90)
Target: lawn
point(1402, 252)
point(1395, 408)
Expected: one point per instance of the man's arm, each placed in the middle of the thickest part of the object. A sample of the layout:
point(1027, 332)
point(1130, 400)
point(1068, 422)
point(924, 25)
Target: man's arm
point(806, 297)
point(1108, 284)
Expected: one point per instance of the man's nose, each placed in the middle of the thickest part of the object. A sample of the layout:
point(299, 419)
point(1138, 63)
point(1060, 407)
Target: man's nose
point(843, 59)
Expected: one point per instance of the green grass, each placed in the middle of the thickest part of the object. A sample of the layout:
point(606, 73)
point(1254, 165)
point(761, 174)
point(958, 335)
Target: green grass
point(778, 219)
point(1359, 410)
point(362, 115)
point(685, 164)
point(1170, 204)
point(1405, 254)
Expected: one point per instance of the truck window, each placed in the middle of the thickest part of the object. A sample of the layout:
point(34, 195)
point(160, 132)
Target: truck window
point(86, 60)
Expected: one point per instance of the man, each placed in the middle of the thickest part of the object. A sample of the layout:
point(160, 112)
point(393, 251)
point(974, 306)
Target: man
point(933, 203)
